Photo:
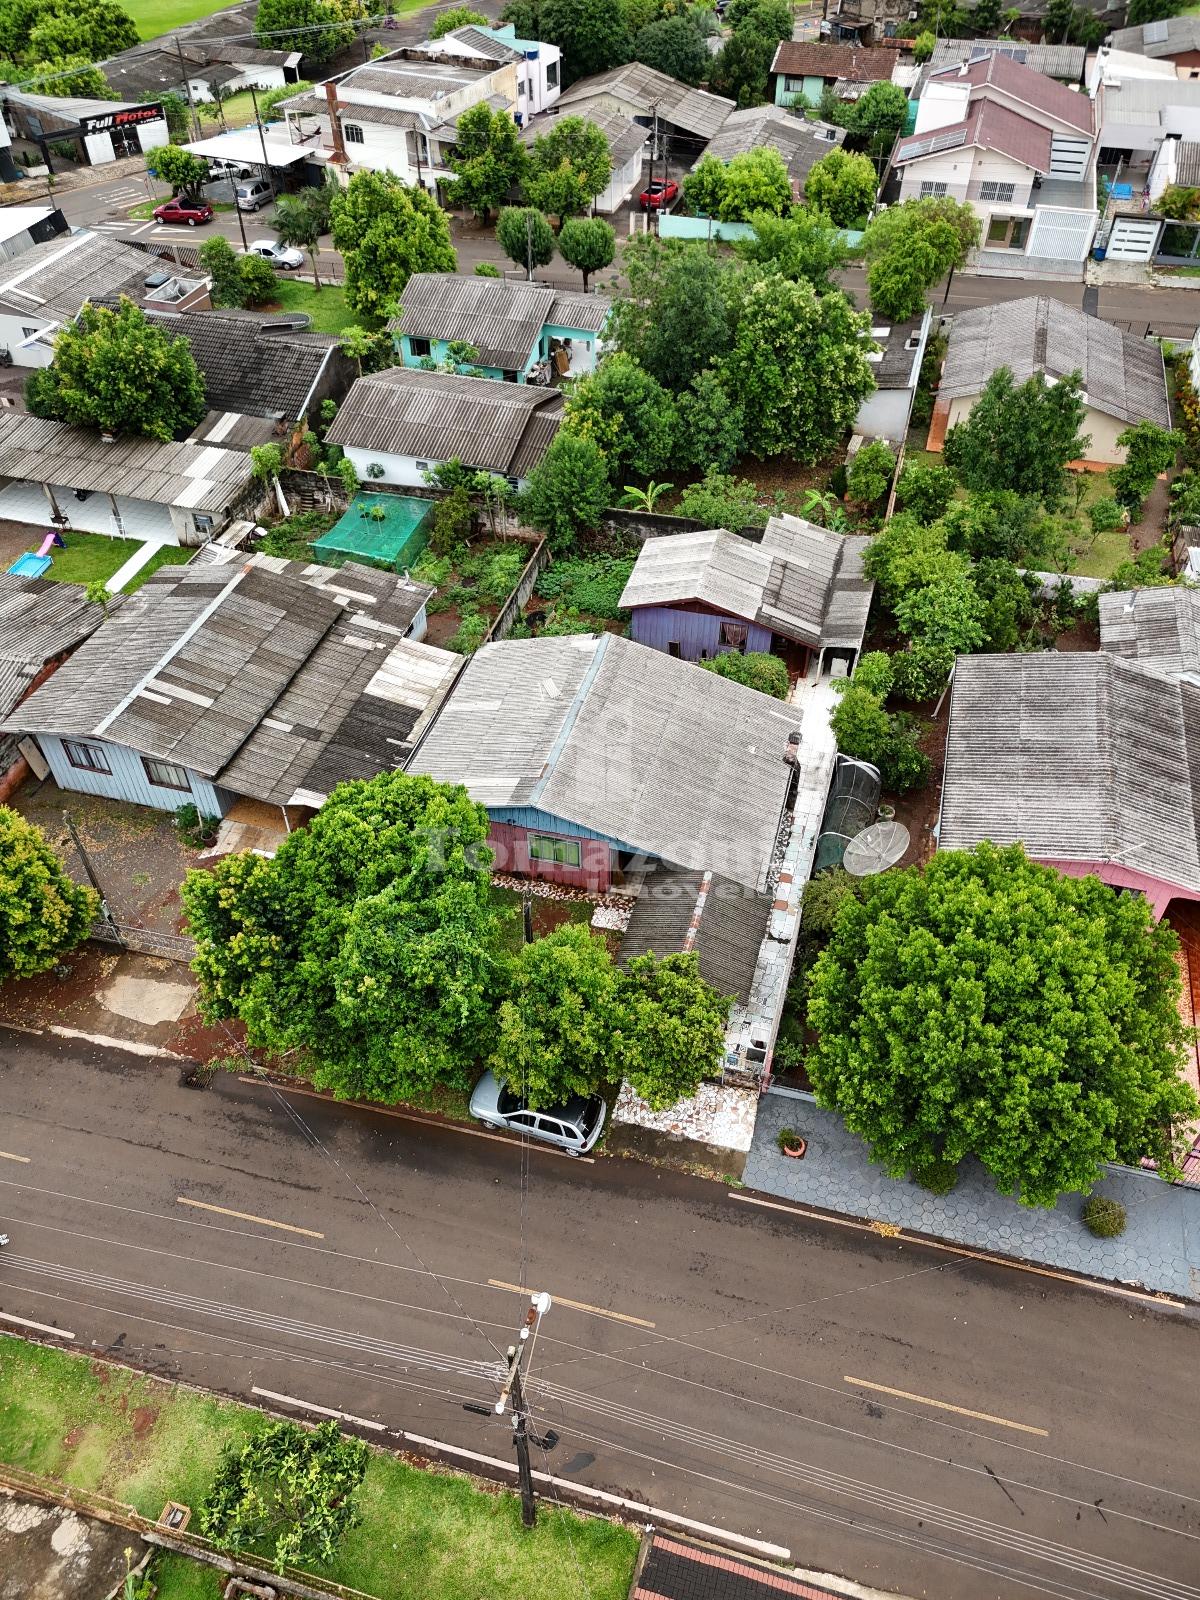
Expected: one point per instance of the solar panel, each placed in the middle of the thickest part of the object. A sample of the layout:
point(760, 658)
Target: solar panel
point(932, 144)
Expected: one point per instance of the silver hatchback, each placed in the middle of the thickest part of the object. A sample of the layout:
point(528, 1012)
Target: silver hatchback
point(573, 1127)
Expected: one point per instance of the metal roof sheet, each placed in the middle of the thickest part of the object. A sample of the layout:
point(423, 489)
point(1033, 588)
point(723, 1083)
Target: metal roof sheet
point(800, 143)
point(53, 278)
point(694, 110)
point(625, 138)
point(502, 320)
point(1053, 60)
point(1157, 628)
point(1172, 36)
point(726, 937)
point(40, 619)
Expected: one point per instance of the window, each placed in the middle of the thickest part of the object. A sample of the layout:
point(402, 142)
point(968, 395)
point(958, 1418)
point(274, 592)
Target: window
point(420, 347)
point(87, 757)
point(352, 133)
point(548, 847)
point(28, 333)
point(166, 775)
point(552, 74)
point(793, 85)
point(734, 635)
point(1002, 192)
point(202, 521)
point(933, 191)
point(1007, 233)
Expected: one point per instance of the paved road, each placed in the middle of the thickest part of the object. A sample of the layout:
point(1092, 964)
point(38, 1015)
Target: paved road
point(723, 1359)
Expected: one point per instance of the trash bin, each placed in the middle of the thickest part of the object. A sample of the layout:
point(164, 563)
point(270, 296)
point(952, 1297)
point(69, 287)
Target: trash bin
point(1099, 252)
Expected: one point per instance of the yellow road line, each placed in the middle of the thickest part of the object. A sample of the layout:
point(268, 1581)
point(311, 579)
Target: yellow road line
point(7, 1155)
point(248, 1216)
point(944, 1405)
point(576, 1305)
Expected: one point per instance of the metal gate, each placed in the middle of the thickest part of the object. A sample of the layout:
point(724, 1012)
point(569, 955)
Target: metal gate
point(1133, 238)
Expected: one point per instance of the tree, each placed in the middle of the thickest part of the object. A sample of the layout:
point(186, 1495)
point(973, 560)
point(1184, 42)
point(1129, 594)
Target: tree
point(928, 220)
point(742, 68)
point(558, 1033)
point(704, 187)
point(266, 461)
point(756, 669)
point(712, 424)
point(568, 167)
point(946, 614)
point(259, 283)
point(1149, 450)
point(802, 244)
point(722, 501)
point(488, 160)
point(371, 352)
point(870, 473)
point(525, 237)
point(116, 371)
point(907, 554)
point(175, 111)
point(674, 318)
point(591, 34)
point(1142, 11)
point(289, 1493)
point(268, 102)
point(299, 221)
point(674, 45)
point(1020, 437)
point(184, 172)
point(923, 47)
point(368, 942)
point(69, 76)
point(672, 1024)
point(799, 366)
point(1009, 599)
point(457, 17)
point(925, 489)
point(897, 280)
point(314, 27)
point(43, 914)
point(68, 28)
point(877, 117)
point(224, 267)
point(842, 185)
point(988, 1006)
point(588, 244)
point(386, 231)
point(628, 413)
point(756, 181)
point(568, 490)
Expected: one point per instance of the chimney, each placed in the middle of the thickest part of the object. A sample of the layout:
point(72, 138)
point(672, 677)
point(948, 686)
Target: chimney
point(335, 127)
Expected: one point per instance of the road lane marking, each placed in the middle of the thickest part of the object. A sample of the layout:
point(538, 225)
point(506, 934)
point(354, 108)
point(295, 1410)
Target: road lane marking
point(106, 1041)
point(248, 1216)
point(42, 1327)
point(7, 1155)
point(322, 1411)
point(577, 1305)
point(944, 1405)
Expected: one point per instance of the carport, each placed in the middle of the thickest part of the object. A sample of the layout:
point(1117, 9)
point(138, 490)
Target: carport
point(252, 146)
point(87, 511)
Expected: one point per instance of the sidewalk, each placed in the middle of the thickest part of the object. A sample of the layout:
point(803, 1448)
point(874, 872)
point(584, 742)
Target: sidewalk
point(1160, 1248)
point(677, 1569)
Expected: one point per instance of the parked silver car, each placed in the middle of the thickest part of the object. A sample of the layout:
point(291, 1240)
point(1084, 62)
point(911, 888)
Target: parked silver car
point(254, 194)
point(573, 1127)
point(283, 256)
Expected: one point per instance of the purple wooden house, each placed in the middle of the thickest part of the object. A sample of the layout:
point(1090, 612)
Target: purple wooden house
point(800, 593)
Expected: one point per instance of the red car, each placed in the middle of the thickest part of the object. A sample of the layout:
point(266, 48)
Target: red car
point(184, 209)
point(659, 195)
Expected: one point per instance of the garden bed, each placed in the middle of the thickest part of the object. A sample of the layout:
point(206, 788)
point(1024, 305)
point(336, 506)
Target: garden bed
point(472, 583)
point(580, 594)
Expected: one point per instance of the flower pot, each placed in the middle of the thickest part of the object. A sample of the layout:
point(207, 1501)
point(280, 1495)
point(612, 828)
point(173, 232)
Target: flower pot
point(797, 1151)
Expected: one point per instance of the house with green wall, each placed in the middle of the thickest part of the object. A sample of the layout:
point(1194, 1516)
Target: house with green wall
point(803, 69)
point(515, 332)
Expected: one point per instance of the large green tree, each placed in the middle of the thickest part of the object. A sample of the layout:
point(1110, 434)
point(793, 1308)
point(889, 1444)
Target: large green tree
point(628, 413)
point(568, 167)
point(751, 184)
point(675, 315)
point(567, 491)
point(488, 160)
point(802, 244)
point(184, 172)
point(319, 29)
point(368, 942)
point(300, 220)
point(674, 45)
point(742, 69)
point(525, 236)
point(43, 913)
point(672, 1026)
point(457, 17)
point(842, 185)
point(387, 230)
point(588, 244)
point(988, 1006)
point(1020, 436)
point(592, 35)
point(119, 372)
point(288, 1493)
point(90, 28)
point(798, 365)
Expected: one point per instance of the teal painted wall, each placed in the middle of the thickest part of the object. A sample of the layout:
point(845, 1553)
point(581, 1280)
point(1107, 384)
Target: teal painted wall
point(810, 90)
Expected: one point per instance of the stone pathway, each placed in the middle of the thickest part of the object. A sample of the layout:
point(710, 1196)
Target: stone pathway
point(1160, 1248)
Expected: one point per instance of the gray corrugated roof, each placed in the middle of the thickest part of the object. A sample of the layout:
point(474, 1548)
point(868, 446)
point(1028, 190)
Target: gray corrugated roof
point(1082, 758)
point(1053, 60)
point(40, 619)
point(694, 110)
point(481, 43)
point(502, 427)
point(640, 748)
point(53, 279)
point(802, 582)
point(198, 477)
point(316, 105)
point(801, 143)
point(899, 366)
point(731, 926)
point(1187, 163)
point(503, 321)
point(1172, 36)
point(625, 138)
point(1157, 628)
point(1123, 375)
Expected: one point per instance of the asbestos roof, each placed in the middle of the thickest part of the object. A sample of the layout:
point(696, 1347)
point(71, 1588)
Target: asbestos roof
point(1083, 758)
point(481, 42)
point(680, 908)
point(1172, 36)
point(627, 742)
point(53, 279)
point(902, 348)
point(1187, 163)
point(694, 110)
point(197, 477)
point(987, 126)
point(40, 619)
point(1157, 628)
point(500, 427)
point(796, 58)
point(625, 138)
point(1034, 90)
point(802, 582)
point(316, 105)
point(1123, 376)
point(502, 320)
point(1052, 60)
point(273, 679)
point(801, 143)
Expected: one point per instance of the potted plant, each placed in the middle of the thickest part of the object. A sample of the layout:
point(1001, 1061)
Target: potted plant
point(791, 1143)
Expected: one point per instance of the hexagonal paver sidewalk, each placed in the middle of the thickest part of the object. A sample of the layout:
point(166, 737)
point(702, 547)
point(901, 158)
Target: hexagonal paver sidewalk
point(1160, 1248)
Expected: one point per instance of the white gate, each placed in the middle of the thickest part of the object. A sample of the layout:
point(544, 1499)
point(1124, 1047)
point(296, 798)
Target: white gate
point(1133, 238)
point(1061, 235)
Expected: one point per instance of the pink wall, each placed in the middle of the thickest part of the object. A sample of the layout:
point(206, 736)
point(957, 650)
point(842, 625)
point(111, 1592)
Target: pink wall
point(510, 844)
point(1156, 891)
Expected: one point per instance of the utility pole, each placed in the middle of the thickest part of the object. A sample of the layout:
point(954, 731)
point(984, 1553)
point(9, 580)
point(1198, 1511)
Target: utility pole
point(262, 140)
point(529, 244)
point(187, 88)
point(539, 1304)
point(89, 871)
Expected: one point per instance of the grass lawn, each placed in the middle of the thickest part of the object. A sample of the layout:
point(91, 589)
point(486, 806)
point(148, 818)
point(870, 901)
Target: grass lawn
point(326, 306)
point(156, 16)
point(90, 555)
point(424, 1535)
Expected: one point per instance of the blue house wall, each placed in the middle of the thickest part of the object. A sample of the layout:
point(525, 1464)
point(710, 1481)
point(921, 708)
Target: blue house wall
point(439, 351)
point(697, 633)
point(128, 779)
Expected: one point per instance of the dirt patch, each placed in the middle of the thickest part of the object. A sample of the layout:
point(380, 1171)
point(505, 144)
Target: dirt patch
point(71, 1440)
point(1083, 636)
point(198, 1041)
point(144, 1418)
point(918, 809)
point(1148, 530)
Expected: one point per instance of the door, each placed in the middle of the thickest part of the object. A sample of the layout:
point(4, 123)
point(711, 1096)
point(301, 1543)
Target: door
point(1007, 233)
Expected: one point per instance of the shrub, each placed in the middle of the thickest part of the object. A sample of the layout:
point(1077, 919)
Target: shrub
point(1102, 1217)
point(593, 585)
point(471, 630)
point(1105, 515)
point(925, 489)
point(756, 669)
point(921, 671)
point(193, 827)
point(824, 896)
point(485, 269)
point(788, 1139)
point(870, 473)
point(875, 672)
point(722, 501)
point(453, 519)
point(937, 1177)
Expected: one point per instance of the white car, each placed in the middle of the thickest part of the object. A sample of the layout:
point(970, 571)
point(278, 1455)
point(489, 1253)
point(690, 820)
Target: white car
point(283, 256)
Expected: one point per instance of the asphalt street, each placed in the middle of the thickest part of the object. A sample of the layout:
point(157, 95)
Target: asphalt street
point(912, 1418)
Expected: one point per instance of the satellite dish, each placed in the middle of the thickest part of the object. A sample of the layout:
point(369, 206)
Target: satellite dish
point(876, 849)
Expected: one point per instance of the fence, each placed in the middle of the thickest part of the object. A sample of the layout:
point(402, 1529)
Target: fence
point(145, 941)
point(526, 584)
point(643, 525)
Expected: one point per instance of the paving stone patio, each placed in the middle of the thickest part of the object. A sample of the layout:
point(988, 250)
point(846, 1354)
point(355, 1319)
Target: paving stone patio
point(1160, 1248)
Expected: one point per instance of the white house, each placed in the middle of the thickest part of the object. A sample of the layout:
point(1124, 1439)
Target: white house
point(1021, 149)
point(539, 65)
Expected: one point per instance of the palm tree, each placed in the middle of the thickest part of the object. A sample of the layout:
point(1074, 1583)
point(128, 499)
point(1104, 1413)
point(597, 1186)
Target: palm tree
point(298, 222)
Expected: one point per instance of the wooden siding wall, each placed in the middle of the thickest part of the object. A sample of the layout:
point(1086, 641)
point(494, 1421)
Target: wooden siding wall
point(698, 634)
point(510, 842)
point(127, 780)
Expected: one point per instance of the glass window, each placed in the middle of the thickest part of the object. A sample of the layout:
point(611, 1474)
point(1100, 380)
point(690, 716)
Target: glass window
point(352, 133)
point(734, 635)
point(419, 347)
point(1003, 192)
point(166, 775)
point(549, 847)
point(552, 74)
point(933, 191)
point(87, 757)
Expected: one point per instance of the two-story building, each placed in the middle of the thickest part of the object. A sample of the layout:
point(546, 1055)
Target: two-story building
point(539, 65)
point(522, 332)
point(1021, 149)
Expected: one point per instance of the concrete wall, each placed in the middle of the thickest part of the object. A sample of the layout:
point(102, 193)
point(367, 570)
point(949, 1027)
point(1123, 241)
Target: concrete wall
point(127, 780)
point(673, 226)
point(12, 332)
point(407, 471)
point(621, 185)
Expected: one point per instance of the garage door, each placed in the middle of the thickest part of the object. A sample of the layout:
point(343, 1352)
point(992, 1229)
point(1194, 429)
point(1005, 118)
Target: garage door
point(136, 519)
point(1133, 239)
point(1061, 235)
